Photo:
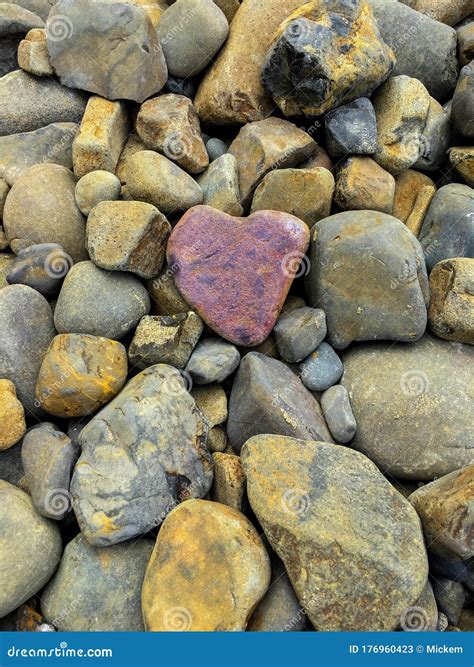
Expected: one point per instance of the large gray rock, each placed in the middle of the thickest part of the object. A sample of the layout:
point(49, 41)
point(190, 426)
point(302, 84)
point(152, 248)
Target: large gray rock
point(413, 406)
point(107, 47)
point(96, 589)
point(379, 289)
point(30, 548)
point(26, 330)
point(142, 454)
point(268, 398)
point(29, 102)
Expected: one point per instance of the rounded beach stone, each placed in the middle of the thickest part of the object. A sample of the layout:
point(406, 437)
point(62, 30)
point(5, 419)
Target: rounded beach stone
point(42, 266)
point(462, 159)
point(451, 311)
point(207, 572)
point(299, 332)
point(95, 187)
point(212, 360)
point(362, 184)
point(463, 100)
point(450, 598)
point(322, 369)
point(12, 416)
point(165, 298)
point(215, 148)
point(338, 413)
point(435, 139)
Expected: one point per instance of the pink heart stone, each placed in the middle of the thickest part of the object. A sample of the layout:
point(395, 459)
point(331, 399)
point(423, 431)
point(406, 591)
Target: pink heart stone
point(236, 272)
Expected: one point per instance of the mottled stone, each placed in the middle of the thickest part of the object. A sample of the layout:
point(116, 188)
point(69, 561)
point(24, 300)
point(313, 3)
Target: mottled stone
point(6, 261)
point(130, 446)
point(343, 532)
point(362, 184)
point(41, 208)
point(39, 7)
point(351, 129)
point(79, 374)
point(329, 54)
point(322, 369)
point(299, 332)
point(28, 102)
point(451, 311)
point(217, 440)
point(101, 303)
point(207, 572)
point(229, 481)
point(165, 298)
point(33, 56)
point(212, 360)
point(133, 145)
point(236, 272)
point(268, 398)
point(445, 11)
point(465, 33)
point(423, 615)
point(450, 598)
point(12, 416)
point(446, 509)
point(26, 330)
point(215, 148)
point(154, 179)
point(448, 228)
point(30, 548)
point(128, 61)
point(435, 139)
point(265, 145)
point(212, 401)
point(380, 289)
point(42, 267)
point(169, 124)
point(4, 190)
point(95, 187)
point(306, 193)
point(98, 589)
point(462, 159)
point(338, 413)
point(413, 194)
point(425, 429)
point(165, 339)
point(220, 185)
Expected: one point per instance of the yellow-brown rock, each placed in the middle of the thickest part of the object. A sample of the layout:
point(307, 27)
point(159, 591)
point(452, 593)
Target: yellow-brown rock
point(444, 11)
point(207, 572)
point(212, 401)
point(446, 508)
point(33, 54)
point(362, 184)
point(164, 295)
point(413, 194)
point(12, 416)
point(217, 439)
point(451, 311)
point(462, 159)
point(133, 145)
point(229, 480)
point(79, 374)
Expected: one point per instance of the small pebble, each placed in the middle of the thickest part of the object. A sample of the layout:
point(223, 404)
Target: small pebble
point(322, 369)
point(338, 413)
point(95, 187)
point(299, 332)
point(212, 361)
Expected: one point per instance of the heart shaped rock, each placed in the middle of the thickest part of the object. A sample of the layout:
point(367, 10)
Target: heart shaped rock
point(236, 272)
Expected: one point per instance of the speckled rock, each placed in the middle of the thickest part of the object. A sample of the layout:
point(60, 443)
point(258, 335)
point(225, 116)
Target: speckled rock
point(380, 290)
point(41, 208)
point(413, 194)
point(351, 129)
point(26, 330)
point(220, 185)
point(215, 148)
point(30, 548)
point(445, 508)
point(362, 184)
point(435, 138)
point(431, 391)
point(236, 272)
point(446, 11)
point(12, 416)
point(324, 509)
point(462, 159)
point(321, 369)
point(229, 481)
point(165, 298)
point(122, 35)
point(165, 339)
point(299, 332)
point(41, 266)
point(207, 572)
point(6, 261)
point(338, 413)
point(95, 187)
point(98, 589)
point(131, 445)
point(268, 398)
point(101, 303)
point(212, 360)
point(33, 56)
point(451, 311)
point(79, 374)
point(212, 401)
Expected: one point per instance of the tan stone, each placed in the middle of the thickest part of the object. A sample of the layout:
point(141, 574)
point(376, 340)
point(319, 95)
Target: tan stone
point(229, 7)
point(212, 401)
point(133, 145)
point(33, 56)
point(362, 184)
point(465, 34)
point(462, 159)
point(451, 310)
point(217, 439)
point(220, 185)
point(413, 194)
point(102, 135)
point(306, 193)
point(446, 510)
point(4, 244)
point(232, 91)
point(12, 416)
point(164, 295)
point(229, 480)
point(4, 189)
point(319, 159)
point(6, 262)
point(445, 11)
point(207, 572)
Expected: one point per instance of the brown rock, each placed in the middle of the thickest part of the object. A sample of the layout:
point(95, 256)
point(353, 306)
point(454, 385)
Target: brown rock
point(444, 11)
point(229, 480)
point(229, 7)
point(165, 298)
point(133, 145)
point(217, 439)
point(362, 184)
point(413, 194)
point(33, 56)
point(319, 159)
point(12, 416)
point(212, 401)
point(220, 185)
point(462, 159)
point(465, 32)
point(451, 311)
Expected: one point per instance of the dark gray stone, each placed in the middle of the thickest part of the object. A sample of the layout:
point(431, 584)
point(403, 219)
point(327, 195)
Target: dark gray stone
point(11, 466)
point(450, 598)
point(338, 413)
point(42, 267)
point(321, 369)
point(463, 102)
point(212, 360)
point(268, 398)
point(450, 569)
point(351, 129)
point(141, 455)
point(448, 227)
point(299, 332)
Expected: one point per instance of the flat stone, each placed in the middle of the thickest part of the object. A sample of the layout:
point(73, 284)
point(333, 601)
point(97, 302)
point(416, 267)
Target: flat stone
point(445, 508)
point(351, 129)
point(42, 267)
point(28, 102)
point(321, 369)
point(380, 290)
point(165, 298)
point(165, 339)
point(338, 414)
point(95, 187)
point(26, 330)
point(451, 311)
point(229, 481)
point(12, 416)
point(212, 360)
point(305, 193)
point(268, 398)
point(120, 35)
point(48, 457)
point(265, 145)
point(169, 124)
point(425, 429)
point(448, 228)
point(220, 185)
point(52, 143)
point(41, 208)
point(191, 32)
point(30, 549)
point(130, 446)
point(100, 303)
point(127, 236)
point(462, 159)
point(211, 399)
point(207, 572)
point(98, 589)
point(154, 179)
point(79, 374)
point(413, 194)
point(299, 332)
point(324, 66)
point(33, 56)
point(343, 532)
point(236, 272)
point(362, 184)
point(435, 139)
